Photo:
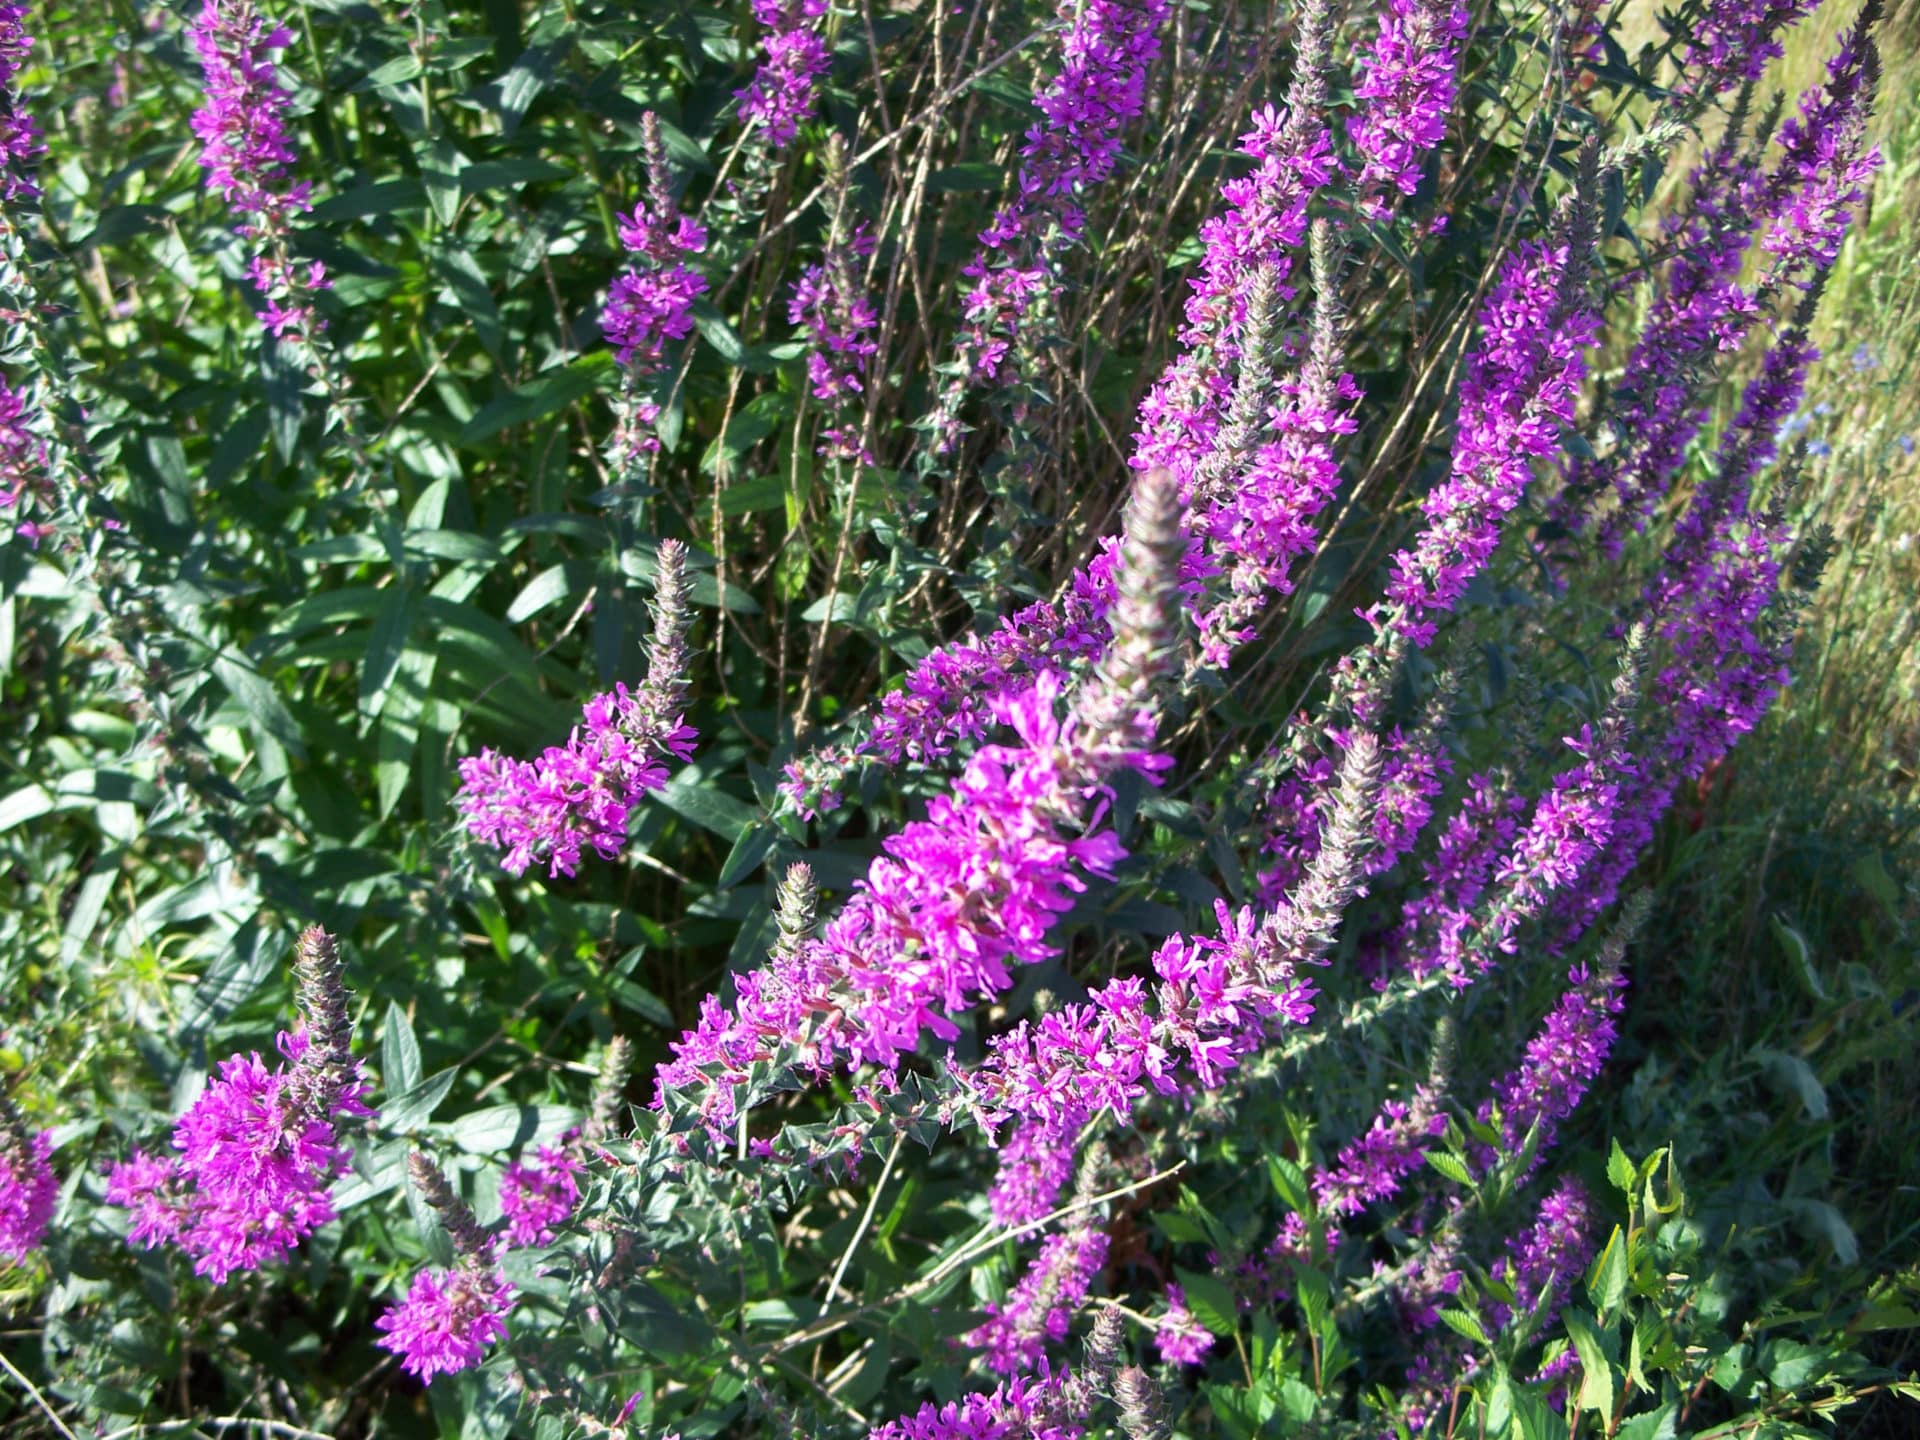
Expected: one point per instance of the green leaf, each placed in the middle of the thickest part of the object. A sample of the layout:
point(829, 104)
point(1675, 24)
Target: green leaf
point(260, 700)
point(1466, 1325)
point(540, 397)
point(510, 1127)
point(1449, 1166)
point(1620, 1170)
point(1610, 1274)
point(440, 173)
point(1798, 1076)
point(1661, 1424)
point(1870, 874)
point(399, 1052)
point(256, 952)
point(386, 643)
point(748, 851)
point(551, 585)
point(1800, 953)
point(1596, 1371)
point(1211, 1301)
point(29, 802)
point(365, 202)
point(1290, 1184)
point(762, 492)
point(414, 1107)
point(708, 808)
point(721, 337)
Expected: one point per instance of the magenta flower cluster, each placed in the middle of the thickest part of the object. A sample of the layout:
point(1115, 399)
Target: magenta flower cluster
point(27, 1187)
point(575, 796)
point(651, 302)
point(1518, 390)
point(837, 317)
point(537, 1196)
point(258, 1153)
point(794, 60)
point(448, 1319)
point(20, 141)
point(578, 795)
point(1408, 80)
point(1040, 1308)
point(1107, 48)
point(245, 148)
point(26, 483)
point(950, 904)
point(1735, 40)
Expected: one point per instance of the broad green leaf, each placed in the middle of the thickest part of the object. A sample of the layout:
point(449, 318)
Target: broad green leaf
point(510, 1127)
point(1211, 1301)
point(1597, 1387)
point(708, 808)
point(399, 1052)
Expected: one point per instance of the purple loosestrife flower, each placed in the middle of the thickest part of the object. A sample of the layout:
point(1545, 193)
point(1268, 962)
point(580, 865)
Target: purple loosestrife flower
point(940, 915)
point(652, 301)
point(447, 1321)
point(1261, 229)
point(1052, 1405)
point(1825, 163)
point(1180, 1339)
point(794, 60)
point(1438, 917)
point(1256, 503)
point(26, 484)
point(1407, 86)
point(580, 794)
point(245, 148)
point(1728, 633)
point(449, 1318)
point(259, 1150)
point(1702, 311)
point(1039, 1310)
point(976, 885)
point(27, 1186)
point(1372, 1166)
point(20, 142)
point(1107, 49)
point(1519, 389)
point(538, 1196)
point(1216, 997)
point(1035, 1165)
point(1412, 775)
point(1562, 1059)
point(1733, 40)
point(247, 154)
point(1543, 1263)
point(830, 306)
point(1804, 205)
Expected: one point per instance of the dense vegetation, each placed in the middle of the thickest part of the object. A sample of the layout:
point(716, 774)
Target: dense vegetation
point(1160, 717)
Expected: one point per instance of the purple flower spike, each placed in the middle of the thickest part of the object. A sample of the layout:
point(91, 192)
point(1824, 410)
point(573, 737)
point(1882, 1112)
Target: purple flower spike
point(1038, 1311)
point(579, 795)
point(538, 1196)
point(1408, 87)
point(20, 142)
point(447, 1320)
point(260, 1149)
point(652, 301)
point(27, 1186)
point(795, 60)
